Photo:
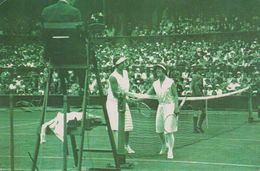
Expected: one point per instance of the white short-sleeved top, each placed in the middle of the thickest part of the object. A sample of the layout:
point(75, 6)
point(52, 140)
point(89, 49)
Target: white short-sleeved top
point(122, 81)
point(163, 91)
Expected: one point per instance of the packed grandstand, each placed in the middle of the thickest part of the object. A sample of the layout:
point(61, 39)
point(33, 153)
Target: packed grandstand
point(229, 63)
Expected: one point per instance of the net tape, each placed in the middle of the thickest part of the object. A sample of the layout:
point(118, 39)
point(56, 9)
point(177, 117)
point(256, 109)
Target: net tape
point(146, 96)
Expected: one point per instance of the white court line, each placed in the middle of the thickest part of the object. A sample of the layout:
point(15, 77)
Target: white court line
point(197, 162)
point(180, 137)
point(155, 160)
point(30, 169)
point(19, 134)
point(17, 125)
point(238, 139)
point(42, 157)
point(186, 137)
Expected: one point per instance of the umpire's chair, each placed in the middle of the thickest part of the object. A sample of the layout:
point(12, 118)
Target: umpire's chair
point(65, 44)
point(66, 48)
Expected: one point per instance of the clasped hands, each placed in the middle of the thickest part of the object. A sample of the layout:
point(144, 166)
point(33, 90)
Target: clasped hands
point(177, 111)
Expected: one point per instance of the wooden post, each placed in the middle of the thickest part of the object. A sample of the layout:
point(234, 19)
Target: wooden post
point(109, 130)
point(44, 109)
point(65, 144)
point(121, 131)
point(11, 113)
point(206, 110)
point(85, 102)
point(250, 106)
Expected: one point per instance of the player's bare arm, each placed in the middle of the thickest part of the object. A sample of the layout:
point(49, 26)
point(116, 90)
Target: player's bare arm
point(175, 96)
point(151, 91)
point(114, 86)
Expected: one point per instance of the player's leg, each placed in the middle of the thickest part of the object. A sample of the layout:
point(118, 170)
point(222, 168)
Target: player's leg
point(195, 122)
point(195, 116)
point(170, 142)
point(170, 126)
point(113, 119)
point(258, 110)
point(201, 120)
point(128, 129)
point(163, 143)
point(127, 146)
point(159, 123)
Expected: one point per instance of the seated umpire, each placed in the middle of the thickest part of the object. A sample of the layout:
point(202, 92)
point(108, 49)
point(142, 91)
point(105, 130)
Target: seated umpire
point(62, 12)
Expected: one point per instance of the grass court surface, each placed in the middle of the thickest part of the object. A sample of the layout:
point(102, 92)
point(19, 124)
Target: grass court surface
point(229, 143)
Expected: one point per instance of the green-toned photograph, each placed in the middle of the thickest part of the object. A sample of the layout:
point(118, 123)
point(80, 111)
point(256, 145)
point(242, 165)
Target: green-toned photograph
point(118, 85)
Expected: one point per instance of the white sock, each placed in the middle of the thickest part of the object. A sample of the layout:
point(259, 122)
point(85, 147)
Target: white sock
point(170, 141)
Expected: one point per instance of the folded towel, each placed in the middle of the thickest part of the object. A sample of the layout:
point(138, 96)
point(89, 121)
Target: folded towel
point(56, 125)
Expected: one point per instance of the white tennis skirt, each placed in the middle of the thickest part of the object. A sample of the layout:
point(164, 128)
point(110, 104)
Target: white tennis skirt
point(113, 115)
point(166, 120)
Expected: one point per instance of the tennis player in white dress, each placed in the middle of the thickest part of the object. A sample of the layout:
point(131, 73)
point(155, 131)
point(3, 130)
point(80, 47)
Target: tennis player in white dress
point(118, 85)
point(167, 111)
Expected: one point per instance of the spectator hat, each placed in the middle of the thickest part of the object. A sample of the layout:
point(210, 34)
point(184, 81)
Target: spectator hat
point(198, 67)
point(118, 60)
point(162, 66)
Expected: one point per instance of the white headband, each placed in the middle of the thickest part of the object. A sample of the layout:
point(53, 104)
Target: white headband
point(120, 60)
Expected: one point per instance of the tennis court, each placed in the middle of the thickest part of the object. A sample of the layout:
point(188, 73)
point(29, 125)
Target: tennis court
point(229, 143)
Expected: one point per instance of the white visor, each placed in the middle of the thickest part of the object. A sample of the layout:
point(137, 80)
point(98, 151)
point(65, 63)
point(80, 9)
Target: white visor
point(161, 66)
point(120, 60)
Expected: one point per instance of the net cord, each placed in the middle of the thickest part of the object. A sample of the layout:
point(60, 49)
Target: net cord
point(154, 97)
point(183, 99)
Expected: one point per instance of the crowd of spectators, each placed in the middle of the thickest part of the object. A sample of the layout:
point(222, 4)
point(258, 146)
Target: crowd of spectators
point(184, 25)
point(226, 65)
point(167, 26)
point(19, 26)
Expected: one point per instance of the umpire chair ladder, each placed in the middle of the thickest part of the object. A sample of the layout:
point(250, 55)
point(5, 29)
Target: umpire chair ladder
point(66, 48)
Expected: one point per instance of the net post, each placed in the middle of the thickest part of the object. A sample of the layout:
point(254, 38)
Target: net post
point(11, 115)
point(250, 105)
point(65, 145)
point(258, 111)
point(206, 110)
point(121, 132)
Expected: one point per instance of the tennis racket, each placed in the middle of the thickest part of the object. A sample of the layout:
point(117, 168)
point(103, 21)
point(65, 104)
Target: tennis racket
point(171, 123)
point(142, 108)
point(182, 102)
point(171, 120)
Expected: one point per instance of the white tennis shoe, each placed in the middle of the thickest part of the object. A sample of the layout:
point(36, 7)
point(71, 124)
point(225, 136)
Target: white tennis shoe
point(170, 155)
point(163, 150)
point(129, 149)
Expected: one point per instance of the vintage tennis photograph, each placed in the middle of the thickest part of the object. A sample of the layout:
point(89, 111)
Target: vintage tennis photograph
point(129, 85)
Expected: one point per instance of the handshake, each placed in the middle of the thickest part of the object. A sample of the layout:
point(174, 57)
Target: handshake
point(177, 112)
point(121, 94)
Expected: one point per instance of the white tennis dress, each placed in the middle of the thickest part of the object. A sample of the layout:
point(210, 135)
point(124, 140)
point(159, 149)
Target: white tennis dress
point(166, 121)
point(112, 102)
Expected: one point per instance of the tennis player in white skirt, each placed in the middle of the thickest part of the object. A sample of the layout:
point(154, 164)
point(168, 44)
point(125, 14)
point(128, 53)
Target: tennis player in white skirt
point(167, 111)
point(118, 85)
